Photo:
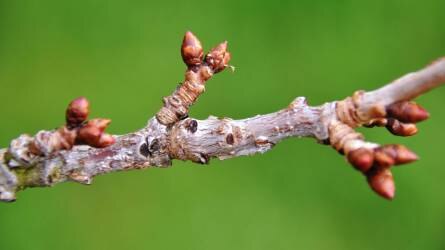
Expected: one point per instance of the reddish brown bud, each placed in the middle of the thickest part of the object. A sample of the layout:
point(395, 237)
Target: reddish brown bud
point(384, 157)
point(99, 123)
point(106, 140)
point(218, 58)
point(362, 159)
point(407, 112)
point(77, 112)
point(401, 129)
point(92, 134)
point(404, 155)
point(89, 135)
point(191, 50)
point(389, 155)
point(382, 182)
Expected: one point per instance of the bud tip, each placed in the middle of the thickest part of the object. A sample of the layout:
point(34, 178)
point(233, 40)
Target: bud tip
point(191, 50)
point(382, 182)
point(77, 111)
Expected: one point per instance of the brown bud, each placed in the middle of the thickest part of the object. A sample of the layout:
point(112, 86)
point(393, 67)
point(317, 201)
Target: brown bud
point(382, 182)
point(401, 129)
point(106, 140)
point(99, 123)
point(404, 155)
point(92, 134)
point(89, 135)
point(218, 58)
point(389, 155)
point(407, 112)
point(384, 157)
point(191, 50)
point(362, 159)
point(77, 112)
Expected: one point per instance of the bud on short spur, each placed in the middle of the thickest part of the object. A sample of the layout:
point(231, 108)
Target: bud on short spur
point(99, 123)
point(77, 112)
point(401, 129)
point(382, 182)
point(362, 159)
point(384, 157)
point(191, 50)
point(92, 134)
point(218, 58)
point(106, 140)
point(390, 155)
point(407, 112)
point(404, 155)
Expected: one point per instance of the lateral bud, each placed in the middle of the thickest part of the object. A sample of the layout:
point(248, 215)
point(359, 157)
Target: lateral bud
point(93, 134)
point(389, 155)
point(382, 182)
point(401, 129)
point(191, 50)
point(77, 112)
point(99, 123)
point(218, 58)
point(407, 112)
point(362, 159)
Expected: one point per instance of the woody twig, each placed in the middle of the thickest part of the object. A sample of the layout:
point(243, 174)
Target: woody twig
point(81, 149)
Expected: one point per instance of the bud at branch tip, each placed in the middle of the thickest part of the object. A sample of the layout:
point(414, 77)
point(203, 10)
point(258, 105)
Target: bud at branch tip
point(191, 50)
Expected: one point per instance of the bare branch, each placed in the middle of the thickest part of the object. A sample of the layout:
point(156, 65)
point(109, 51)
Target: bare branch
point(80, 149)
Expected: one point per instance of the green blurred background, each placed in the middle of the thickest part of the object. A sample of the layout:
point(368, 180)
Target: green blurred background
point(124, 56)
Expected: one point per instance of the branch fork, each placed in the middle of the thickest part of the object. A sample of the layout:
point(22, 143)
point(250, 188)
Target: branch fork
point(80, 149)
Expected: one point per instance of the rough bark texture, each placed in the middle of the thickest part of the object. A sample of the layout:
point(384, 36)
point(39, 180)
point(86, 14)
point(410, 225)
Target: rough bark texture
point(80, 150)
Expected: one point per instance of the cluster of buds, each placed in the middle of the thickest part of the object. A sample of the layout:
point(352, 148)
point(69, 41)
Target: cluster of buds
point(87, 132)
point(200, 68)
point(375, 162)
point(77, 131)
point(401, 118)
point(192, 54)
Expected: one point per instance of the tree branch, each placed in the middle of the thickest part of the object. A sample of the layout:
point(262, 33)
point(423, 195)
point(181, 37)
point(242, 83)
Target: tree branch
point(81, 149)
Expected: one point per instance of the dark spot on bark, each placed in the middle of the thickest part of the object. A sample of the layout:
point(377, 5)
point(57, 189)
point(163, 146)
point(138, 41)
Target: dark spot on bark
point(182, 116)
point(325, 141)
point(175, 101)
point(192, 126)
point(143, 150)
point(204, 159)
point(229, 139)
point(154, 146)
point(50, 179)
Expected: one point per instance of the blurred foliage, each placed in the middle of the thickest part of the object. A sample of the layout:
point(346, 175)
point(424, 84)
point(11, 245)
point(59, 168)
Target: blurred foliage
point(124, 56)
